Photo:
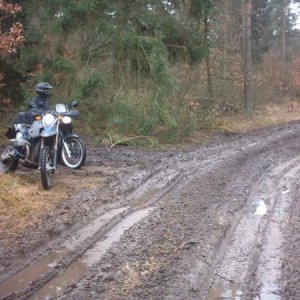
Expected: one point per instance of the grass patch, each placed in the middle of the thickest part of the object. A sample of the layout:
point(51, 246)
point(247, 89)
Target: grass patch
point(23, 202)
point(269, 115)
point(2, 133)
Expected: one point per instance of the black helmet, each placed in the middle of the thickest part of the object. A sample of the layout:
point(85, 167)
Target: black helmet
point(43, 89)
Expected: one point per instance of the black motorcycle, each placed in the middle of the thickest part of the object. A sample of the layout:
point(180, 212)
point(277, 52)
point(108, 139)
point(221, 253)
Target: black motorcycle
point(41, 142)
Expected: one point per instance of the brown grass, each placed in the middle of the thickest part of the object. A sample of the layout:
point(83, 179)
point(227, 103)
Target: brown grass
point(2, 132)
point(272, 114)
point(23, 201)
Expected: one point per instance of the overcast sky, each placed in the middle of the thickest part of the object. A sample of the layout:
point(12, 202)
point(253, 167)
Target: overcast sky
point(296, 9)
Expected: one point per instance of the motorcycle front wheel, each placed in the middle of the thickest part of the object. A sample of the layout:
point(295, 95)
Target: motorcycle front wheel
point(73, 152)
point(46, 167)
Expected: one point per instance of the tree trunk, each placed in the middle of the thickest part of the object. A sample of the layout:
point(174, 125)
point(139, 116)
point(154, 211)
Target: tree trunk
point(226, 34)
point(120, 67)
point(284, 31)
point(284, 71)
point(208, 65)
point(248, 85)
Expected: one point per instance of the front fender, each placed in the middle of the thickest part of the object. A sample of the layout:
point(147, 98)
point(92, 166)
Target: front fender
point(72, 135)
point(64, 138)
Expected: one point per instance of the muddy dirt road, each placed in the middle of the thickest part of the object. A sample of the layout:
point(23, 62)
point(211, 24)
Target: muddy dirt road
point(216, 221)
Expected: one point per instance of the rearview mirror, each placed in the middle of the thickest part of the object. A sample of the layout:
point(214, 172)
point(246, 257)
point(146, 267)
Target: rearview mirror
point(74, 103)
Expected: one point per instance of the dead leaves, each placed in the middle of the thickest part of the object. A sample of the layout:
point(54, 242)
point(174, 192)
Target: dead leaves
point(10, 41)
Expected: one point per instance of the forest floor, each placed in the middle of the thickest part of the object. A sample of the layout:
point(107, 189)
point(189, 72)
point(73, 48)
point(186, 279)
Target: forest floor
point(217, 220)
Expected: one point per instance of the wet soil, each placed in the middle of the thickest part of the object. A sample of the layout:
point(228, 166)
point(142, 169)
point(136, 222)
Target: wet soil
point(211, 221)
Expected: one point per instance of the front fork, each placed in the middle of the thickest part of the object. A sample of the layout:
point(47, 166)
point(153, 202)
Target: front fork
point(55, 151)
point(67, 148)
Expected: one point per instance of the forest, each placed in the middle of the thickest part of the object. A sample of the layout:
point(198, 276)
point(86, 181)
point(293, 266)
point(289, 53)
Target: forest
point(150, 69)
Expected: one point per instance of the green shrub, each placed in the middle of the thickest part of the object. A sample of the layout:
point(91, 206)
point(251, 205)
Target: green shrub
point(93, 82)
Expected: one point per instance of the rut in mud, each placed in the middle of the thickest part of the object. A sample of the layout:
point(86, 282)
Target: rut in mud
point(216, 221)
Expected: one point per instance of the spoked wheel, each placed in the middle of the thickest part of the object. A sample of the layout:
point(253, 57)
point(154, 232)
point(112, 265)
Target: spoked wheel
point(46, 167)
point(9, 163)
point(73, 153)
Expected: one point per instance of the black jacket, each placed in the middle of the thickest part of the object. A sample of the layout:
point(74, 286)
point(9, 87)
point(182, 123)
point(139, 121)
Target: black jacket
point(38, 103)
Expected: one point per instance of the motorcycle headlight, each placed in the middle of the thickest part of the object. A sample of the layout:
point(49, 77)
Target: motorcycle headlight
point(48, 120)
point(66, 120)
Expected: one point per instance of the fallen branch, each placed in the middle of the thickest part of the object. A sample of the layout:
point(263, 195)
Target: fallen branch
point(127, 139)
point(183, 244)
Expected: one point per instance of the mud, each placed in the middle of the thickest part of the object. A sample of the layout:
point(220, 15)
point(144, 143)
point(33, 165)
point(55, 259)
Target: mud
point(212, 221)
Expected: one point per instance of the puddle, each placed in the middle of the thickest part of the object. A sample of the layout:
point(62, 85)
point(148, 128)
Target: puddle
point(285, 191)
point(91, 257)
point(88, 231)
point(261, 208)
point(71, 275)
point(224, 291)
point(271, 201)
point(269, 270)
point(23, 278)
point(270, 260)
point(268, 292)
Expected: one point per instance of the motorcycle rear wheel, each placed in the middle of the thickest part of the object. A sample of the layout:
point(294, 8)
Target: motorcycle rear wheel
point(46, 167)
point(77, 153)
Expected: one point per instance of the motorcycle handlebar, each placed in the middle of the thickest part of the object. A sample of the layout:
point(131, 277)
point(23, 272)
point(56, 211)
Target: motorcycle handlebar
point(72, 113)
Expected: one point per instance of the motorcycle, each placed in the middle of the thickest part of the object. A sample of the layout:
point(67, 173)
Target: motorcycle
point(40, 144)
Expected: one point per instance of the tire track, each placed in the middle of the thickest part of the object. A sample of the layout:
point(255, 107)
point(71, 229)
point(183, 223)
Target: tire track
point(255, 247)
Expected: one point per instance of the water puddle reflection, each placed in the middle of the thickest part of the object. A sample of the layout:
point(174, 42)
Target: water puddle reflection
point(26, 276)
point(261, 209)
point(268, 292)
point(224, 291)
point(71, 276)
point(23, 278)
point(285, 191)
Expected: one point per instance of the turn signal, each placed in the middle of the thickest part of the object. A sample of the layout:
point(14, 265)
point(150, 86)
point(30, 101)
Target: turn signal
point(38, 118)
